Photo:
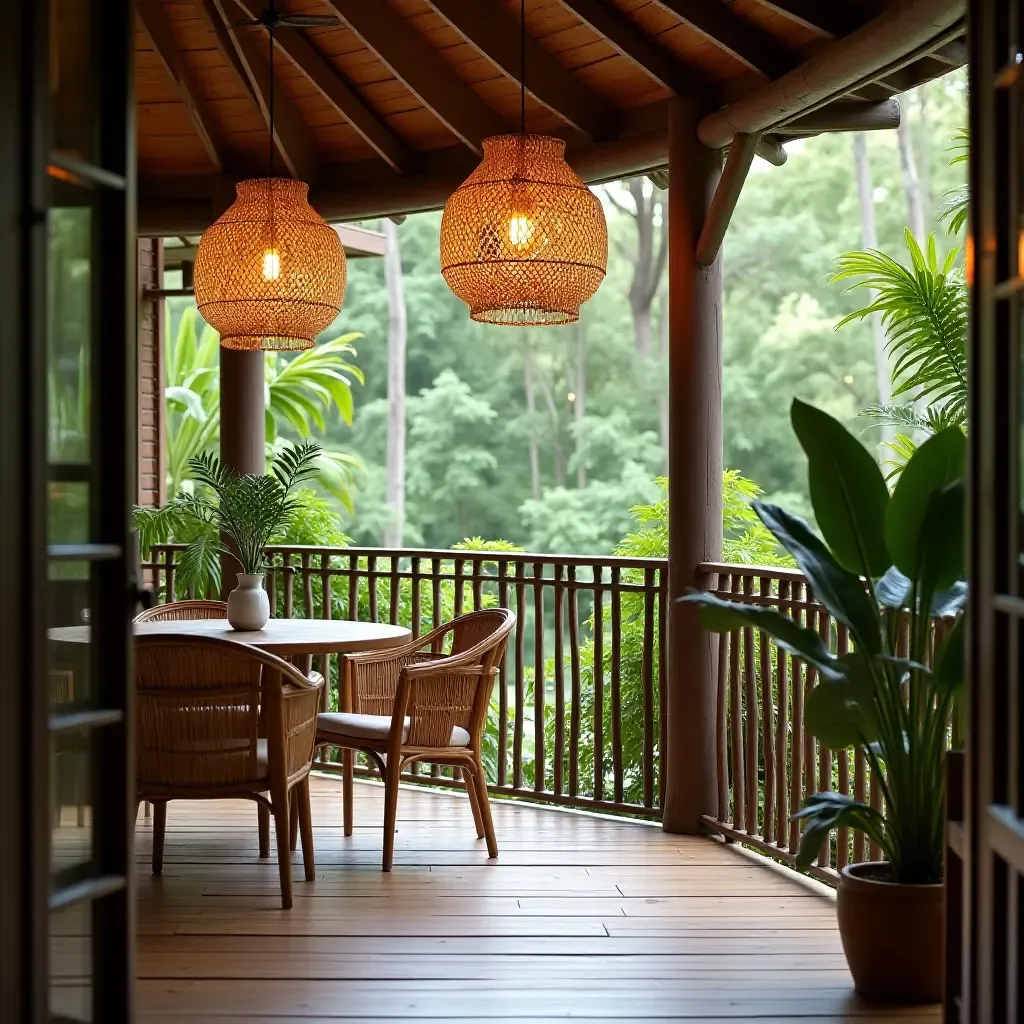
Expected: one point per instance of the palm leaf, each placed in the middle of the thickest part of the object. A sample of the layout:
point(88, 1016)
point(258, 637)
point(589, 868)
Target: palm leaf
point(924, 312)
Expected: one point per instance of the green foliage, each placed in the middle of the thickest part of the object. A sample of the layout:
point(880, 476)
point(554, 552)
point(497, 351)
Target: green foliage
point(301, 391)
point(229, 513)
point(955, 209)
point(893, 708)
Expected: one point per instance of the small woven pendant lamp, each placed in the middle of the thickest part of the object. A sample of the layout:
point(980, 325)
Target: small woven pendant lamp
point(270, 272)
point(524, 242)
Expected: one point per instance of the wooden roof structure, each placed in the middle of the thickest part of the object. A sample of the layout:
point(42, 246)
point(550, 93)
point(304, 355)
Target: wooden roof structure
point(384, 111)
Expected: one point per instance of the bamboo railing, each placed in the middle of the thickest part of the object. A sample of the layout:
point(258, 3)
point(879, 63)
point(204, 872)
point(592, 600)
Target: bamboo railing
point(575, 713)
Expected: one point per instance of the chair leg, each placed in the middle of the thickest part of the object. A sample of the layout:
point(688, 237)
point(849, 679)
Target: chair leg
point(480, 781)
point(391, 779)
point(284, 854)
point(147, 809)
point(264, 827)
point(347, 788)
point(474, 801)
point(301, 800)
point(293, 819)
point(159, 830)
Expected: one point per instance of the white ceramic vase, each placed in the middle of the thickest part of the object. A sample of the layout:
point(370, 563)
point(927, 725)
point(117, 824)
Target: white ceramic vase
point(248, 604)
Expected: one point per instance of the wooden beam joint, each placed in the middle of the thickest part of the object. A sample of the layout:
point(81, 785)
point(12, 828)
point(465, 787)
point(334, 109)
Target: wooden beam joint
point(727, 194)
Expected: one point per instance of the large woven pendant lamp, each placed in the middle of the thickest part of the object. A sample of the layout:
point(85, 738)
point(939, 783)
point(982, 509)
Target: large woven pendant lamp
point(523, 240)
point(270, 272)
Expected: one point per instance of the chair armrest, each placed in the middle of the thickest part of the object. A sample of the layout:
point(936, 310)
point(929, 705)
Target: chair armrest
point(412, 647)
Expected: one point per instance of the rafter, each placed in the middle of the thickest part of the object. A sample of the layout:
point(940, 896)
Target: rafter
point(293, 138)
point(495, 33)
point(154, 19)
point(829, 19)
point(412, 60)
point(746, 41)
point(632, 42)
point(319, 70)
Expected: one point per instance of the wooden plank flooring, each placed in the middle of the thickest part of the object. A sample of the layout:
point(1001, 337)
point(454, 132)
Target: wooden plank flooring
point(579, 917)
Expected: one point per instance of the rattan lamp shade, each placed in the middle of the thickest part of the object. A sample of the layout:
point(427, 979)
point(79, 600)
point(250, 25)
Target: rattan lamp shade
point(270, 272)
point(523, 240)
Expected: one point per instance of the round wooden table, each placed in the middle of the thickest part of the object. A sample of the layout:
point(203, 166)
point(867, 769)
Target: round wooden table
point(279, 636)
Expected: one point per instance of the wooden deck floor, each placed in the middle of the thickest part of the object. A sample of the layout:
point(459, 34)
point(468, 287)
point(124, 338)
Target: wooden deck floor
point(579, 916)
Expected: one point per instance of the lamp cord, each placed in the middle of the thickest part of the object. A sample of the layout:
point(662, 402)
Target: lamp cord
point(522, 67)
point(272, 22)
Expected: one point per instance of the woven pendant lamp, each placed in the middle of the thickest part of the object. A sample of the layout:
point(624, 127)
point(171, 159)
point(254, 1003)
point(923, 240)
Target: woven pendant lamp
point(270, 272)
point(524, 242)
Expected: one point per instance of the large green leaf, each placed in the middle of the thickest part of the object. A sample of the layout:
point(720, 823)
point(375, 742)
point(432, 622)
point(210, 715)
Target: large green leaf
point(936, 463)
point(841, 592)
point(948, 676)
point(840, 712)
point(941, 545)
point(847, 488)
point(823, 812)
point(721, 616)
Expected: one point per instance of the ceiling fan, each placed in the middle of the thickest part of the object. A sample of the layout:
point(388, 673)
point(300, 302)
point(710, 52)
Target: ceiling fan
point(271, 18)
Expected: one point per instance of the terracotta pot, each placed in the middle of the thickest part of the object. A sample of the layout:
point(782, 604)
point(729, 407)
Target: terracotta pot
point(248, 604)
point(893, 935)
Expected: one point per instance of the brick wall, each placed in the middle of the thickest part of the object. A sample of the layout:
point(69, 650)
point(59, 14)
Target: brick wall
point(151, 443)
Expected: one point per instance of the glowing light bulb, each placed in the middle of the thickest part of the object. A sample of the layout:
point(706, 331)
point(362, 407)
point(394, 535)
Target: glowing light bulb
point(571, 396)
point(848, 379)
point(271, 265)
point(521, 230)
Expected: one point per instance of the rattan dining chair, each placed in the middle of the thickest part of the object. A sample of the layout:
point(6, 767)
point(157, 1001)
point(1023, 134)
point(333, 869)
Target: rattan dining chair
point(198, 721)
point(177, 611)
point(411, 704)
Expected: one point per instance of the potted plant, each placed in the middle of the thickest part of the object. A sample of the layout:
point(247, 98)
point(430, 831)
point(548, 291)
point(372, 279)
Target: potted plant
point(883, 563)
point(236, 515)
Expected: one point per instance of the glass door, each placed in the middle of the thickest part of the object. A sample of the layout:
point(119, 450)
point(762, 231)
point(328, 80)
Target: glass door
point(67, 434)
point(993, 944)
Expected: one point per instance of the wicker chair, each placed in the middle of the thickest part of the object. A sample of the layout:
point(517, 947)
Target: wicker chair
point(198, 715)
point(411, 704)
point(177, 611)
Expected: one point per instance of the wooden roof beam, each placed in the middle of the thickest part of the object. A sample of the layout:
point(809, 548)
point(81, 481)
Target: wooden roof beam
point(746, 41)
point(322, 73)
point(889, 40)
point(154, 19)
point(847, 116)
point(632, 42)
point(828, 19)
point(412, 60)
point(495, 33)
point(727, 194)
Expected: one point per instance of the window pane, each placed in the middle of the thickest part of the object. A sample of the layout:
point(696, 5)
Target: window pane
point(70, 810)
point(71, 963)
point(69, 326)
point(72, 79)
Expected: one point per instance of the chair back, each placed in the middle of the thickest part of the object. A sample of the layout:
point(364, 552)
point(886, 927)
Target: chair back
point(441, 701)
point(197, 711)
point(176, 611)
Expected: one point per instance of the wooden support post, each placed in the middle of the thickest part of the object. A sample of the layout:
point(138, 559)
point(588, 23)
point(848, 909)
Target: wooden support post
point(695, 472)
point(242, 426)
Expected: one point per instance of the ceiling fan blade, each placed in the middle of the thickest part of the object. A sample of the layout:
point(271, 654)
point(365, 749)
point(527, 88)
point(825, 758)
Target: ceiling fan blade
point(309, 20)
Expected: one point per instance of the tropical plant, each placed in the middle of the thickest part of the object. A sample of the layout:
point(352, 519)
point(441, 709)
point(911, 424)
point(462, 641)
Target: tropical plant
point(229, 513)
point(884, 565)
point(923, 307)
point(954, 209)
point(299, 393)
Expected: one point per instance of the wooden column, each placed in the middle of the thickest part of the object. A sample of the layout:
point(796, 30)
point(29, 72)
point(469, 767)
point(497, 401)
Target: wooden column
point(242, 425)
point(695, 472)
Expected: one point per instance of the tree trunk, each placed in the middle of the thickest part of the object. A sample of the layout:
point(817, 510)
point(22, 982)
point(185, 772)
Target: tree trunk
point(558, 455)
point(397, 329)
point(869, 240)
point(580, 405)
point(908, 171)
point(924, 150)
point(531, 409)
point(641, 327)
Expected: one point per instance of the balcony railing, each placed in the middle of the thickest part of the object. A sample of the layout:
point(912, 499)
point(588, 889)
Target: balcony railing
point(574, 719)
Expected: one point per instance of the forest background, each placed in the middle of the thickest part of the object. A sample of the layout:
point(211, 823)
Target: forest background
point(546, 438)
